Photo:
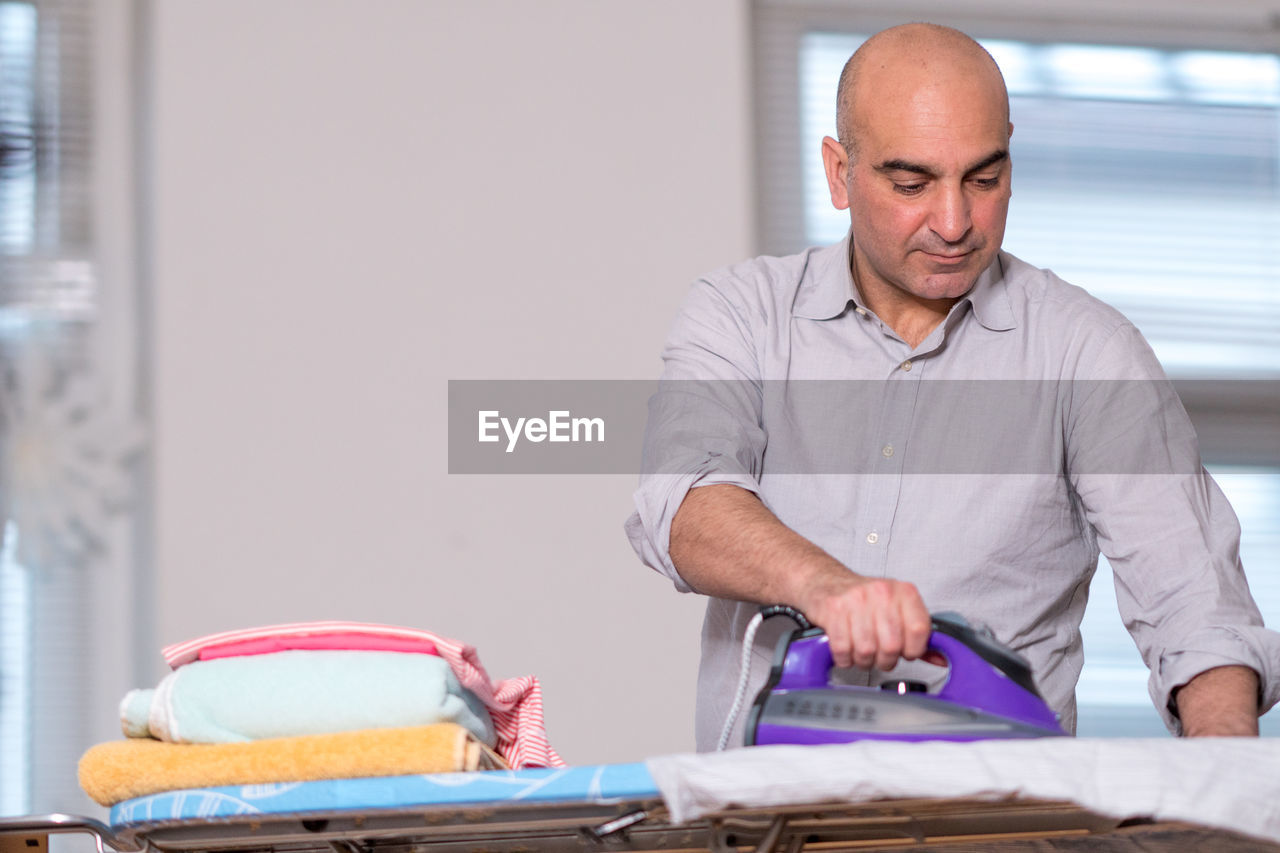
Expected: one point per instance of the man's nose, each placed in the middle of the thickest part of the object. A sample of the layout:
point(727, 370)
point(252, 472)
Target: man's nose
point(951, 218)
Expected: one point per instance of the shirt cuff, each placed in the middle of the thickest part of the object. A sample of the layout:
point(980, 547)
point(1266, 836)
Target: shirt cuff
point(1254, 647)
point(656, 502)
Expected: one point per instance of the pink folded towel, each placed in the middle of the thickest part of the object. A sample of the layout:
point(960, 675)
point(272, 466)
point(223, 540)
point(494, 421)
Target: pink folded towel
point(314, 636)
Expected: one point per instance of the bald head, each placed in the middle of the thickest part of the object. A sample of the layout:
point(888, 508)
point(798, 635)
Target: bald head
point(897, 62)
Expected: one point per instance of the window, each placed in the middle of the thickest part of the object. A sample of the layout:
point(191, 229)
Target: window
point(67, 562)
point(1149, 176)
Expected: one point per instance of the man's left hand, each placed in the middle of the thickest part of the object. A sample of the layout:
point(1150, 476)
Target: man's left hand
point(1220, 702)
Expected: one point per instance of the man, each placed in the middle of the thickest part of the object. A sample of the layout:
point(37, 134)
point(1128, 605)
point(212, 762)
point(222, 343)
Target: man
point(920, 291)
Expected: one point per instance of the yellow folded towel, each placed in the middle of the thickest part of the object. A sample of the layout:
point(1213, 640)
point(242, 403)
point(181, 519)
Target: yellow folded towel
point(121, 770)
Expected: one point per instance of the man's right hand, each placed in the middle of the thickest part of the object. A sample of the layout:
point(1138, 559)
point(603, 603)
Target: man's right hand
point(726, 543)
point(869, 622)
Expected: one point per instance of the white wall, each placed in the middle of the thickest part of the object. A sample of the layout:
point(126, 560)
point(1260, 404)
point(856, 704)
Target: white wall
point(352, 203)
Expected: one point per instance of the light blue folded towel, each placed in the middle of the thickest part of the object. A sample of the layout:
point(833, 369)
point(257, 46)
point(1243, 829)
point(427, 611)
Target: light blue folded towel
point(290, 693)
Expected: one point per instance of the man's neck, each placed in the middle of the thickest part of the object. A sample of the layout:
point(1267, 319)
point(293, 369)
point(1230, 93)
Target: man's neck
point(911, 317)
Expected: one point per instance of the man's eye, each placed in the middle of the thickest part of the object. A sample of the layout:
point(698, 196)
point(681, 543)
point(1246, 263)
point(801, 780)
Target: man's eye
point(908, 189)
point(987, 183)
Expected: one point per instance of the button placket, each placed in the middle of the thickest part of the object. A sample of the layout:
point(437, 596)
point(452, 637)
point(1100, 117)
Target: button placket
point(900, 387)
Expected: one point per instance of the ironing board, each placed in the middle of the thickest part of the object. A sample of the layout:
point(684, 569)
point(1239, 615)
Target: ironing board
point(585, 809)
point(541, 811)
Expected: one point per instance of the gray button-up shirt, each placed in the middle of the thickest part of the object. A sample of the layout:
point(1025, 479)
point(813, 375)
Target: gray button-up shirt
point(988, 466)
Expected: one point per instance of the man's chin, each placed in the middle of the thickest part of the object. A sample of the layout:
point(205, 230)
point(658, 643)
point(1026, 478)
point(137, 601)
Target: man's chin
point(944, 285)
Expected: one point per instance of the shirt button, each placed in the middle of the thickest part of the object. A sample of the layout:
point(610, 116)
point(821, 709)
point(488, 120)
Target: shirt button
point(860, 310)
point(872, 538)
point(887, 451)
point(906, 365)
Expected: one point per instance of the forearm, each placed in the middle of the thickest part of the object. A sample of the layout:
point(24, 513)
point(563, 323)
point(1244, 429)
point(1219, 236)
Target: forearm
point(1219, 702)
point(726, 543)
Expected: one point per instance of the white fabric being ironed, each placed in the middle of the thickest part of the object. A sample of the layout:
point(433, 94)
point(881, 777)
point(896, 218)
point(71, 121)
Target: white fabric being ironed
point(1229, 783)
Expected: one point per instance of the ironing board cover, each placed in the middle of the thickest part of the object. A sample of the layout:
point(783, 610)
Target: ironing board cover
point(605, 783)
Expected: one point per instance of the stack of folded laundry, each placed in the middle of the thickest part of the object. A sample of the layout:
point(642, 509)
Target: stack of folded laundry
point(317, 700)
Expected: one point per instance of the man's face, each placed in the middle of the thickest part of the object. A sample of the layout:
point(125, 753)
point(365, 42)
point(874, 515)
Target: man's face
point(928, 189)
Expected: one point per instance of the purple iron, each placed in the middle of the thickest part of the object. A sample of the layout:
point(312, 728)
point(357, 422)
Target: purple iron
point(988, 693)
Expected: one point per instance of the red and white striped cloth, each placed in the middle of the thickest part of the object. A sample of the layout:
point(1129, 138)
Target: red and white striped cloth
point(515, 704)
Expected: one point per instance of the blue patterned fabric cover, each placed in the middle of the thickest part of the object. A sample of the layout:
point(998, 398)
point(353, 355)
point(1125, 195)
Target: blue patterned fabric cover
point(601, 783)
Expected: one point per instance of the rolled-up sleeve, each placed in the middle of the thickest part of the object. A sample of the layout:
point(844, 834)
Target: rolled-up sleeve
point(1169, 532)
point(704, 422)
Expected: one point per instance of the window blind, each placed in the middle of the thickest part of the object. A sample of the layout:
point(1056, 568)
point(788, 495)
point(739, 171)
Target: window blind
point(48, 300)
point(15, 681)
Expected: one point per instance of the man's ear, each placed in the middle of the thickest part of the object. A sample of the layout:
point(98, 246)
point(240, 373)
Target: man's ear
point(835, 161)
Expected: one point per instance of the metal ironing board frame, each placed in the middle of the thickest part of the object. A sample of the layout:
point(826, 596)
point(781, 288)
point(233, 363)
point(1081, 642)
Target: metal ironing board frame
point(580, 827)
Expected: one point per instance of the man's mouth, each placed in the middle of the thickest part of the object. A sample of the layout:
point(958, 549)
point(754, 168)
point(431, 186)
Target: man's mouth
point(948, 258)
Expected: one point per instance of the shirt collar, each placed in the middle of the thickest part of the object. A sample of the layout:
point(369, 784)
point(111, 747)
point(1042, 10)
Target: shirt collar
point(827, 289)
point(827, 286)
point(989, 297)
